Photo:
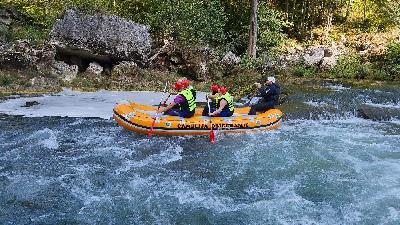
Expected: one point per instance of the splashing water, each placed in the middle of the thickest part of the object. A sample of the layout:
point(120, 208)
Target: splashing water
point(62, 170)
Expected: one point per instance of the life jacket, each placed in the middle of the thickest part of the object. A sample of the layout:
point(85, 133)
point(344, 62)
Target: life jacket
point(190, 104)
point(270, 94)
point(214, 103)
point(190, 88)
point(228, 107)
point(276, 91)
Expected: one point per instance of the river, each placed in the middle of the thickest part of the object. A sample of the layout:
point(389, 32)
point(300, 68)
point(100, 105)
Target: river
point(65, 161)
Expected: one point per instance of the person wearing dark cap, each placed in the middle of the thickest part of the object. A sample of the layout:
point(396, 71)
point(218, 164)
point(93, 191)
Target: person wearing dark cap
point(213, 96)
point(224, 104)
point(269, 93)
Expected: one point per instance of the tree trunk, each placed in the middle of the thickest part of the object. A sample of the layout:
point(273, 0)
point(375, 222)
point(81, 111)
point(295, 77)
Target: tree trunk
point(251, 51)
point(348, 9)
point(365, 9)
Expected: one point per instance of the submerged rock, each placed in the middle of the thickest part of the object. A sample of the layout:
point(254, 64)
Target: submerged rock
point(30, 104)
point(375, 113)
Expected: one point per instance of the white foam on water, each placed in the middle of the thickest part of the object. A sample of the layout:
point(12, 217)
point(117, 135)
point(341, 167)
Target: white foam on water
point(388, 105)
point(188, 194)
point(26, 187)
point(170, 154)
point(395, 121)
point(47, 138)
point(70, 103)
point(316, 104)
point(338, 87)
point(285, 206)
point(117, 152)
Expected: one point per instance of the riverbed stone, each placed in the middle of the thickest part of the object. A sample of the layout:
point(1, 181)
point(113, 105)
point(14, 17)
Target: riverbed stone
point(64, 71)
point(374, 113)
point(124, 68)
point(230, 59)
point(313, 56)
point(94, 68)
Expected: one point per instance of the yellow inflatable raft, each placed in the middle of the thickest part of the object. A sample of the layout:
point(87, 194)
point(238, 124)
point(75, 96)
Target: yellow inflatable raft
point(139, 118)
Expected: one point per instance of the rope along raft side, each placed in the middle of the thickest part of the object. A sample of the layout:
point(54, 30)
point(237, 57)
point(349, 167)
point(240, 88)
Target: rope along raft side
point(139, 118)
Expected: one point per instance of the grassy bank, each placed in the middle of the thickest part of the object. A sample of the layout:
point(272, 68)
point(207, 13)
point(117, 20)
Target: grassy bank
point(239, 83)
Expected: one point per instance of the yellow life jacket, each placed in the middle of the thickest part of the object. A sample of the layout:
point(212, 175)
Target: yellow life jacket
point(190, 103)
point(229, 107)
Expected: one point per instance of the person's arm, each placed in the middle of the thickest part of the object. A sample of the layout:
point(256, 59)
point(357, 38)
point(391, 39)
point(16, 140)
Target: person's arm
point(213, 96)
point(261, 92)
point(177, 100)
point(170, 106)
point(272, 90)
point(223, 103)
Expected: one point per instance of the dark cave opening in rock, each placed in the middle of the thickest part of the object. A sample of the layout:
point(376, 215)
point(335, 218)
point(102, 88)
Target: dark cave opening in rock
point(83, 58)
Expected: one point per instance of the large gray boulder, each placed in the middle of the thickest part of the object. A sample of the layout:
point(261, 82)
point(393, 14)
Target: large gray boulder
point(101, 38)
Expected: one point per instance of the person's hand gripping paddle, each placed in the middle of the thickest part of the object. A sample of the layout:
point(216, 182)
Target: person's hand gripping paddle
point(212, 135)
point(159, 105)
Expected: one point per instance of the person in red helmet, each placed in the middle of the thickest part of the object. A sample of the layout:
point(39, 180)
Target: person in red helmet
point(224, 103)
point(186, 84)
point(213, 96)
point(183, 105)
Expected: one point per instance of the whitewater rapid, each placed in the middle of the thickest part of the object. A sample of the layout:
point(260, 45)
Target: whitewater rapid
point(64, 161)
point(70, 103)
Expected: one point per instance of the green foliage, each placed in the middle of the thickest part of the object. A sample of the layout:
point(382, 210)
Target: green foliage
point(378, 74)
point(236, 27)
point(271, 25)
point(6, 79)
point(10, 79)
point(240, 82)
point(191, 21)
point(350, 67)
point(301, 70)
point(250, 62)
point(392, 61)
point(27, 32)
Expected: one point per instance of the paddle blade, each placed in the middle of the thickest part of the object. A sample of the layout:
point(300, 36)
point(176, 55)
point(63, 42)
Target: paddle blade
point(212, 137)
point(151, 129)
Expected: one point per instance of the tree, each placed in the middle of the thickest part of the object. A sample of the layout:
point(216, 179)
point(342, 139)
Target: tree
point(252, 48)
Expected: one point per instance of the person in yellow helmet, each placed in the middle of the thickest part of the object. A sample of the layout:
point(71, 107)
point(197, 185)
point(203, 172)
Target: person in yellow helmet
point(224, 102)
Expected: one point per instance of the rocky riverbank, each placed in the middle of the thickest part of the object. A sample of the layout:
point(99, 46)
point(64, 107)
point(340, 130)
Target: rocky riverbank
point(121, 55)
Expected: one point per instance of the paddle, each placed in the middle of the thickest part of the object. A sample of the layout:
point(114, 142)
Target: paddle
point(159, 105)
point(212, 136)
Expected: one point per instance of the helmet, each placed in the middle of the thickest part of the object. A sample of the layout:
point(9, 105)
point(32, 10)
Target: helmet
point(223, 90)
point(214, 87)
point(185, 83)
point(272, 79)
point(178, 86)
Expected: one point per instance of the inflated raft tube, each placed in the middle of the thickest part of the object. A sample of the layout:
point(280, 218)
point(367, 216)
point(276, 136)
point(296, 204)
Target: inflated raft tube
point(139, 118)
